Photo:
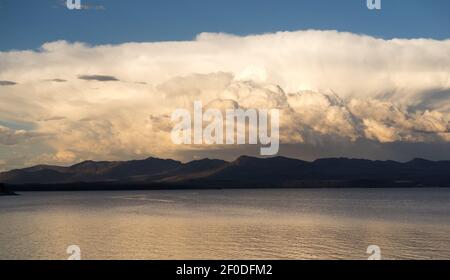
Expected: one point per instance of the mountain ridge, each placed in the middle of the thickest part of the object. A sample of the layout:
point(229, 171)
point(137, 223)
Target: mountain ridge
point(243, 171)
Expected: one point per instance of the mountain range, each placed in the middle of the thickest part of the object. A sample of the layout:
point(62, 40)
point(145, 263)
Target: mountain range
point(243, 172)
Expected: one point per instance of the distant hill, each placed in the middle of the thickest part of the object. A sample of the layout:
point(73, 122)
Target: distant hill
point(243, 172)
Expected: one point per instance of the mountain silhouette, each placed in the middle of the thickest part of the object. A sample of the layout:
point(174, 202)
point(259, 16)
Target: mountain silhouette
point(245, 171)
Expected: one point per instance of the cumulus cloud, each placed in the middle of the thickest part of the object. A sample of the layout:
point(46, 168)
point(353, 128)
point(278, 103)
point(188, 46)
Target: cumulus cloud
point(12, 137)
point(329, 86)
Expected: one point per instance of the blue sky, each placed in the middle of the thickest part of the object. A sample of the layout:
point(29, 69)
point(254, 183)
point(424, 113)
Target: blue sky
point(27, 24)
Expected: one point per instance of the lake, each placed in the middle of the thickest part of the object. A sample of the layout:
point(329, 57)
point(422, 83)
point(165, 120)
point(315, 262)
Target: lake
point(227, 224)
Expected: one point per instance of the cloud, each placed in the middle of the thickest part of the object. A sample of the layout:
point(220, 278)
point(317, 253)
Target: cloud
point(334, 90)
point(7, 83)
point(99, 78)
point(56, 80)
point(3, 163)
point(54, 118)
point(12, 137)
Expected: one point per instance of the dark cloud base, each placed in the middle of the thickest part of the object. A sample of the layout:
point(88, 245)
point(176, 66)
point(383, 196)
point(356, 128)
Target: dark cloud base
point(7, 83)
point(57, 80)
point(99, 78)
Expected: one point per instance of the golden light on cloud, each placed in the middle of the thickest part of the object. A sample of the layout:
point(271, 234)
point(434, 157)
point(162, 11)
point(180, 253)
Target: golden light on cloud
point(115, 101)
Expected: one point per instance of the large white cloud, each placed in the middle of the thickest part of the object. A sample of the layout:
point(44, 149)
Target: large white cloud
point(115, 101)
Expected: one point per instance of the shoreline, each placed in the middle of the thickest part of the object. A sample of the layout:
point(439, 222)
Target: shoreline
point(181, 188)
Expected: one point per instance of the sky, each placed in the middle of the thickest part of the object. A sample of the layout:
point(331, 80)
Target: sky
point(101, 83)
point(27, 24)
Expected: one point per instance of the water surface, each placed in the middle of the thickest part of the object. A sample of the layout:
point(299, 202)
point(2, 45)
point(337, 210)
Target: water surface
point(227, 224)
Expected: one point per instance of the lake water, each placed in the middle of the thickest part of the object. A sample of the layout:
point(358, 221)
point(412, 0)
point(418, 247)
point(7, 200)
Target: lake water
point(228, 224)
